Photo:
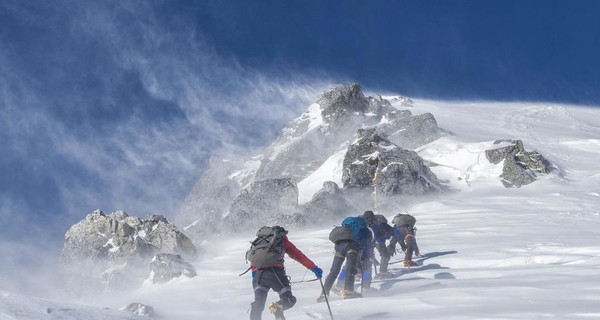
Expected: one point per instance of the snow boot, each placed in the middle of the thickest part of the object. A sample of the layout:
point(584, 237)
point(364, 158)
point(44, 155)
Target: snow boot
point(277, 310)
point(409, 263)
point(350, 294)
point(337, 289)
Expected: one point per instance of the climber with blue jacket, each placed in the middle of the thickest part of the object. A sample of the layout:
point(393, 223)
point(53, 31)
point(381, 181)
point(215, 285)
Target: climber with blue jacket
point(353, 245)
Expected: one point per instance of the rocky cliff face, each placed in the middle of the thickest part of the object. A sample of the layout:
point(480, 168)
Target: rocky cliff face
point(300, 149)
point(263, 202)
point(328, 204)
point(109, 252)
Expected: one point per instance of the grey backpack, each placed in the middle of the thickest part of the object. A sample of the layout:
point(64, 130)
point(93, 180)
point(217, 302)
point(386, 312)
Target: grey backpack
point(340, 233)
point(267, 249)
point(404, 219)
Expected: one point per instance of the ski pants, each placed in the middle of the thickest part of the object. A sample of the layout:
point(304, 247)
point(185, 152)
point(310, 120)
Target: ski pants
point(411, 246)
point(270, 278)
point(344, 250)
point(385, 256)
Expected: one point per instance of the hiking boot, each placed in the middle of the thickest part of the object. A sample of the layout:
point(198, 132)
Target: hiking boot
point(337, 289)
point(277, 310)
point(350, 294)
point(322, 298)
point(409, 263)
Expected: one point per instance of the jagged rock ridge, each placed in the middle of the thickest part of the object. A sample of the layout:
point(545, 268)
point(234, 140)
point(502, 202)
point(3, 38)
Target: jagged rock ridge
point(300, 149)
point(109, 252)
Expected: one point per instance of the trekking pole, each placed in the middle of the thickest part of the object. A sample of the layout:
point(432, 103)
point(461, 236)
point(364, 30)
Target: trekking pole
point(326, 299)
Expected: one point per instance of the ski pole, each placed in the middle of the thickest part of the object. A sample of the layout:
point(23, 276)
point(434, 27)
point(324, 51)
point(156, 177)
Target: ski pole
point(311, 280)
point(326, 299)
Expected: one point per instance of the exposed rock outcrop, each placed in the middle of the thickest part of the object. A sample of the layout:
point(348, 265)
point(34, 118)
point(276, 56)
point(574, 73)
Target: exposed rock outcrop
point(264, 202)
point(375, 163)
point(112, 252)
point(407, 131)
point(327, 204)
point(139, 309)
point(520, 167)
point(340, 102)
point(165, 267)
point(301, 148)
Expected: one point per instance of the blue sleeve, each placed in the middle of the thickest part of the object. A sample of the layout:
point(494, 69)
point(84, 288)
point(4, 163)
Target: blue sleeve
point(397, 233)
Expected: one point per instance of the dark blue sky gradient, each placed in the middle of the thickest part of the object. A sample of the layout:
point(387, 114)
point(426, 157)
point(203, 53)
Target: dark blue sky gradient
point(118, 104)
point(508, 50)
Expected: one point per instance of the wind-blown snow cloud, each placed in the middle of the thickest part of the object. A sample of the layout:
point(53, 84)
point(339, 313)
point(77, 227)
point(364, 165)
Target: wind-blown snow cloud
point(120, 110)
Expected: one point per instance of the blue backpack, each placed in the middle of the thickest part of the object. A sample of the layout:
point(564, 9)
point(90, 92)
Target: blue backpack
point(358, 225)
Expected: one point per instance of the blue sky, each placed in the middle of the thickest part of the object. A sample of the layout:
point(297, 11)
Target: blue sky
point(118, 104)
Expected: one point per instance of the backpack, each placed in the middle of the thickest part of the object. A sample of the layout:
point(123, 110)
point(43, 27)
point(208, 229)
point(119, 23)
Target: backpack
point(358, 226)
point(340, 233)
point(267, 249)
point(404, 219)
point(381, 229)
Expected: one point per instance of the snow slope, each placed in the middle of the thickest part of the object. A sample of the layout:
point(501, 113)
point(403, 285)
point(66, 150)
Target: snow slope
point(491, 252)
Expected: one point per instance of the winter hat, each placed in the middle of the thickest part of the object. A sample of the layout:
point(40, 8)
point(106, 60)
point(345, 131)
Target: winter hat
point(369, 217)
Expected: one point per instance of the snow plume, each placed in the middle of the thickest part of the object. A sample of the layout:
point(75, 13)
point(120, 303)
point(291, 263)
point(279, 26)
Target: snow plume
point(104, 105)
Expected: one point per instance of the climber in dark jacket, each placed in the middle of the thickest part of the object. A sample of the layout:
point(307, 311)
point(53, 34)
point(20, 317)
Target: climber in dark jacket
point(353, 247)
point(382, 231)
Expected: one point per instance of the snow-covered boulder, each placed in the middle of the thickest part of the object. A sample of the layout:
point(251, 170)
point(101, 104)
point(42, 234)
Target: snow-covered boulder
point(111, 252)
point(376, 164)
point(139, 309)
point(165, 266)
point(520, 167)
point(407, 131)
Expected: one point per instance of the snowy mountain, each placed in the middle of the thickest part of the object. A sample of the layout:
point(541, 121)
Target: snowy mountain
point(361, 147)
point(491, 252)
point(331, 129)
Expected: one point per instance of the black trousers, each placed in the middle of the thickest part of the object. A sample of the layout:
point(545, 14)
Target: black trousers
point(385, 257)
point(344, 250)
point(266, 279)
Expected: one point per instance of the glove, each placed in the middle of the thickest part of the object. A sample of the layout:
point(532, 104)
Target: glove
point(318, 272)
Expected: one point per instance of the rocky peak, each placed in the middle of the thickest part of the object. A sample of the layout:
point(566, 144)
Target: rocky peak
point(342, 100)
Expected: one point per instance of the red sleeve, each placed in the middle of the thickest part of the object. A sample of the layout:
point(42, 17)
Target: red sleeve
point(296, 254)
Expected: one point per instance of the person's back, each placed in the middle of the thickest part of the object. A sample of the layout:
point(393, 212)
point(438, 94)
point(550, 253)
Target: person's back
point(266, 258)
point(347, 249)
point(382, 231)
point(404, 229)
